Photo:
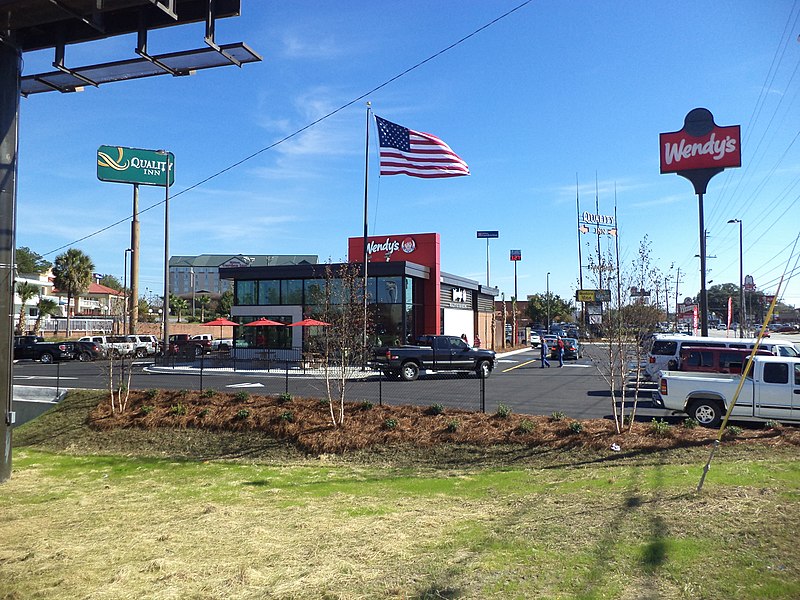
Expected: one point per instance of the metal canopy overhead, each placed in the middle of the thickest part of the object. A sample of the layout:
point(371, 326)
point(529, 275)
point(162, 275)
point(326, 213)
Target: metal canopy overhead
point(182, 63)
point(40, 24)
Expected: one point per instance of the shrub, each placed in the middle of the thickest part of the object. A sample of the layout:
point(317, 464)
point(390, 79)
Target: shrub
point(287, 416)
point(209, 393)
point(576, 426)
point(242, 414)
point(733, 431)
point(366, 404)
point(284, 397)
point(390, 424)
point(526, 426)
point(690, 423)
point(770, 424)
point(660, 428)
point(151, 394)
point(182, 393)
point(452, 426)
point(203, 413)
point(557, 416)
point(241, 396)
point(177, 409)
point(435, 409)
point(503, 411)
point(147, 409)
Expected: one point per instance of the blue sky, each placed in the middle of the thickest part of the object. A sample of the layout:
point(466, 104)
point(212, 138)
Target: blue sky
point(552, 92)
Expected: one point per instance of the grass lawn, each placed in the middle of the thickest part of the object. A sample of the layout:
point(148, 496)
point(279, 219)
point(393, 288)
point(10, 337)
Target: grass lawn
point(113, 514)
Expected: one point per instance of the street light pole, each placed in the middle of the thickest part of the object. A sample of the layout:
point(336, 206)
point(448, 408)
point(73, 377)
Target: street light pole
point(741, 279)
point(548, 302)
point(191, 272)
point(165, 314)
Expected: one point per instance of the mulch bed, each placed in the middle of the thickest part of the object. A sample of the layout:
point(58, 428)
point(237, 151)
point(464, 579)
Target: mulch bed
point(307, 424)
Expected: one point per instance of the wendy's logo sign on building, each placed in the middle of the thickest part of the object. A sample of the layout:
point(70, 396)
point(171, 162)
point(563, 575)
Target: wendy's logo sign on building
point(701, 144)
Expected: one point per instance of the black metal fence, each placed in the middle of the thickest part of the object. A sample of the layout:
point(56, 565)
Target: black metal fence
point(303, 374)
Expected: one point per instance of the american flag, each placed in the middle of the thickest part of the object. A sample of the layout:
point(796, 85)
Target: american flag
point(408, 152)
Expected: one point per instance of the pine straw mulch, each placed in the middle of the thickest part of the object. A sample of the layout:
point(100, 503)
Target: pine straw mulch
point(306, 423)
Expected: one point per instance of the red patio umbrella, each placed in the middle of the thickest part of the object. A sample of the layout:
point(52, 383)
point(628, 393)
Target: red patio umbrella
point(309, 323)
point(262, 322)
point(221, 322)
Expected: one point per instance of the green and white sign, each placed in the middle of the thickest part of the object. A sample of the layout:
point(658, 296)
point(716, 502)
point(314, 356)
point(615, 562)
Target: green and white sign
point(132, 165)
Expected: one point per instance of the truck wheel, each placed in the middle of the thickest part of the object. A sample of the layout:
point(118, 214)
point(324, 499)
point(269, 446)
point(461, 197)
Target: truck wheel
point(84, 356)
point(706, 412)
point(484, 369)
point(409, 371)
point(198, 350)
point(223, 348)
point(141, 353)
point(46, 358)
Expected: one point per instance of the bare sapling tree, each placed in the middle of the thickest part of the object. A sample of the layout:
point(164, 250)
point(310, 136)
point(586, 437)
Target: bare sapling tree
point(343, 344)
point(119, 389)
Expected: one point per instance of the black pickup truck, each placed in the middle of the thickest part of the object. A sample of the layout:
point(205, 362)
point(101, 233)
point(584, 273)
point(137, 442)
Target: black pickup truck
point(435, 353)
point(34, 347)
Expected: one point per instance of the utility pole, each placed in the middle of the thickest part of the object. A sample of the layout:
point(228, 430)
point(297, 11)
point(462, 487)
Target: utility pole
point(677, 283)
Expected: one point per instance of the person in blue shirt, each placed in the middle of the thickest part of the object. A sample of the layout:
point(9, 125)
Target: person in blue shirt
point(545, 362)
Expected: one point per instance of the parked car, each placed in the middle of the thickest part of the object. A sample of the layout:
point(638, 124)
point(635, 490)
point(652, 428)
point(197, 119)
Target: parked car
point(113, 345)
point(144, 345)
point(716, 360)
point(551, 341)
point(572, 348)
point(87, 351)
point(35, 348)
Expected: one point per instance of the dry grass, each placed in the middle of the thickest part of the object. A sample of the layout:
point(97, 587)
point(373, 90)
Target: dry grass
point(306, 423)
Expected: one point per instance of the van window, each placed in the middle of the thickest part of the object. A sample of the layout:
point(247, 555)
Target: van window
point(786, 351)
point(664, 348)
point(797, 374)
point(697, 358)
point(776, 373)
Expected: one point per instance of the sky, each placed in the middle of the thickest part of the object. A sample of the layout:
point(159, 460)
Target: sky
point(546, 101)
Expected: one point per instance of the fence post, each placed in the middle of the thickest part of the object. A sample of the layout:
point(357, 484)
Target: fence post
point(202, 364)
point(380, 389)
point(483, 394)
point(287, 375)
point(58, 377)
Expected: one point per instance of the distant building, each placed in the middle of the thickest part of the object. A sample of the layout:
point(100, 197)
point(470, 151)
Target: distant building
point(200, 274)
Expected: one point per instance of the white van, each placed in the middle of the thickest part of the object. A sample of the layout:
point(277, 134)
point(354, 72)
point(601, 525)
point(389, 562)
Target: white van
point(665, 349)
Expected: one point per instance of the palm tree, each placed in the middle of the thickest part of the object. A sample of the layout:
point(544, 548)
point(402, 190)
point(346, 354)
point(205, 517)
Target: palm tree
point(46, 307)
point(25, 291)
point(72, 273)
point(203, 301)
point(178, 305)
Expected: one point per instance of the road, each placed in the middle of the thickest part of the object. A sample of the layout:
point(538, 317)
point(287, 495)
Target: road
point(518, 381)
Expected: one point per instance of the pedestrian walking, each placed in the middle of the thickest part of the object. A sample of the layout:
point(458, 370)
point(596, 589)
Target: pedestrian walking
point(545, 362)
point(560, 352)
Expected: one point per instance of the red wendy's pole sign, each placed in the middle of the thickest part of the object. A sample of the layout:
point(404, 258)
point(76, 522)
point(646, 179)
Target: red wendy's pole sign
point(697, 152)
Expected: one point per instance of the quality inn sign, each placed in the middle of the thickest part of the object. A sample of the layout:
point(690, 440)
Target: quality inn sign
point(132, 165)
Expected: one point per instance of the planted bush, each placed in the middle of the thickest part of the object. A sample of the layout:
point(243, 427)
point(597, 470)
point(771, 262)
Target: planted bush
point(287, 416)
point(284, 397)
point(733, 431)
point(366, 405)
point(690, 423)
point(390, 424)
point(503, 411)
point(526, 426)
point(147, 409)
point(576, 427)
point(151, 394)
point(660, 428)
point(209, 393)
point(177, 410)
point(771, 424)
point(241, 396)
point(435, 409)
point(452, 426)
point(557, 416)
point(242, 414)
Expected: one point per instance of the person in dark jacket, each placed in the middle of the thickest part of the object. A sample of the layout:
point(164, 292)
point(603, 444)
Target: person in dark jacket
point(545, 362)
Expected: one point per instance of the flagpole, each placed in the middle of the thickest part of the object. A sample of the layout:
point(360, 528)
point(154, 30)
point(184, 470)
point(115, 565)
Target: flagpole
point(366, 204)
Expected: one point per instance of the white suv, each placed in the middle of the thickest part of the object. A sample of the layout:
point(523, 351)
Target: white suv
point(146, 345)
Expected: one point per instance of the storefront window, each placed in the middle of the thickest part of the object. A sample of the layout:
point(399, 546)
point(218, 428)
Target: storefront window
point(315, 291)
point(269, 291)
point(291, 291)
point(272, 336)
point(390, 290)
point(388, 324)
point(245, 293)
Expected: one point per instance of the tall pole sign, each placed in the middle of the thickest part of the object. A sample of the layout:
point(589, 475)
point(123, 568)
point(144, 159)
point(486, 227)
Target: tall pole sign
point(515, 256)
point(697, 152)
point(488, 235)
point(135, 166)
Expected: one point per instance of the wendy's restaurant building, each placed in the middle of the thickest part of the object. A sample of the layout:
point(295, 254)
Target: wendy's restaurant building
point(409, 294)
